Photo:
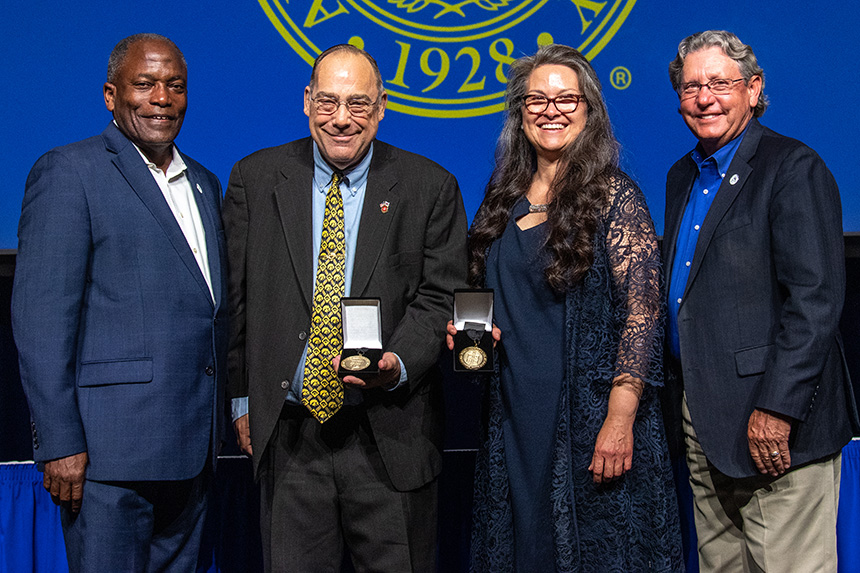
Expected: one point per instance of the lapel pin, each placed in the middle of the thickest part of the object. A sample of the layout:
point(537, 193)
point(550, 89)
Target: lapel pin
point(199, 188)
point(734, 179)
point(384, 206)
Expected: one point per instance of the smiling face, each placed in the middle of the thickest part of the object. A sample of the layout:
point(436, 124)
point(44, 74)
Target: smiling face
point(148, 97)
point(716, 120)
point(342, 138)
point(551, 131)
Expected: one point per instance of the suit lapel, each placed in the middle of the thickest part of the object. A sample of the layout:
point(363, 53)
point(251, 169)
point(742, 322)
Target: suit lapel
point(736, 176)
point(208, 216)
point(679, 187)
point(376, 218)
point(295, 209)
point(132, 167)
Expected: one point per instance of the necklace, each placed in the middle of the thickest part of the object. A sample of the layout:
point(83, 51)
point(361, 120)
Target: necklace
point(539, 208)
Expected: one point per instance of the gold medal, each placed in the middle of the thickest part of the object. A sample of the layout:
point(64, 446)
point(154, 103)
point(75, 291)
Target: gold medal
point(355, 362)
point(472, 357)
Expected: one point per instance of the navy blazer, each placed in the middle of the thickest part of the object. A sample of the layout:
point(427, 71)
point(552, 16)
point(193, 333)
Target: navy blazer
point(759, 318)
point(121, 347)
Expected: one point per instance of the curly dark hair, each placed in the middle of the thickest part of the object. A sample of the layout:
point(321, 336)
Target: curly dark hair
point(580, 190)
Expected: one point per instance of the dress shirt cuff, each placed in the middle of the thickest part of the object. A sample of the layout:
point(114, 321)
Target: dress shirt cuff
point(403, 376)
point(239, 407)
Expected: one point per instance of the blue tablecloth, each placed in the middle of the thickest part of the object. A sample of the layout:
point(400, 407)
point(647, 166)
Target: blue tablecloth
point(848, 524)
point(31, 538)
point(30, 535)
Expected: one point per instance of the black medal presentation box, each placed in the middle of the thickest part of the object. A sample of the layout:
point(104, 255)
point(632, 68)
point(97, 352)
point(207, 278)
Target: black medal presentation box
point(362, 336)
point(473, 319)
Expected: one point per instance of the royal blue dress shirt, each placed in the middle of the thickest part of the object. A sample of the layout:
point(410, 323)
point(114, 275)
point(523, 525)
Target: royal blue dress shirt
point(711, 172)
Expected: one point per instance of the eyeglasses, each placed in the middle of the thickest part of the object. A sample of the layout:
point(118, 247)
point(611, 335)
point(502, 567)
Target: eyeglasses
point(567, 103)
point(325, 105)
point(717, 86)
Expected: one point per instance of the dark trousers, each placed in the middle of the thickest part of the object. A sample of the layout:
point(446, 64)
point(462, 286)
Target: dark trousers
point(324, 488)
point(137, 526)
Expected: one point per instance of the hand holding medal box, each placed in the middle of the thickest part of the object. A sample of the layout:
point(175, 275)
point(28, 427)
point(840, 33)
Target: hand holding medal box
point(362, 336)
point(473, 319)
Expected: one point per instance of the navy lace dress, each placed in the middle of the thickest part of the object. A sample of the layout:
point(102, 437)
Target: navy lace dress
point(610, 326)
point(531, 364)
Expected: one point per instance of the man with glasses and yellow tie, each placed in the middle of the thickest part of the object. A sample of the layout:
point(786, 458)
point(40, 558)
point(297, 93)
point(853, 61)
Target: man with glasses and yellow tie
point(349, 461)
point(756, 280)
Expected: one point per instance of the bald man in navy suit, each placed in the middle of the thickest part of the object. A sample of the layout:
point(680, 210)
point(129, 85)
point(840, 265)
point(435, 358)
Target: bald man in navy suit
point(119, 318)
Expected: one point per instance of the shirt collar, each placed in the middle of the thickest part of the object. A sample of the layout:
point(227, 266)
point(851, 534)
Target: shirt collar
point(177, 165)
point(175, 169)
point(356, 177)
point(723, 156)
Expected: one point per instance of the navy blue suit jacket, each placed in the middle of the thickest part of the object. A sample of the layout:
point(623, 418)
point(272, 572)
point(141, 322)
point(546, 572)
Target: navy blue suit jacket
point(121, 347)
point(759, 317)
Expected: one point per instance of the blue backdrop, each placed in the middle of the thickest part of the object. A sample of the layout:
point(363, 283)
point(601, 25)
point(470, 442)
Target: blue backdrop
point(441, 62)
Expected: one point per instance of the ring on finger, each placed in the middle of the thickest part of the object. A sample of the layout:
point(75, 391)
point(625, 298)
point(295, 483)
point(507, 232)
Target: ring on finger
point(774, 454)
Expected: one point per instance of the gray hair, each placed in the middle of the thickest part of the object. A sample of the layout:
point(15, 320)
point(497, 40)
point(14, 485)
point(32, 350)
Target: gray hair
point(349, 48)
point(732, 47)
point(120, 51)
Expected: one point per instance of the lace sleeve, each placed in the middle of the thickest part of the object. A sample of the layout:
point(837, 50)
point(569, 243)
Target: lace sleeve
point(634, 258)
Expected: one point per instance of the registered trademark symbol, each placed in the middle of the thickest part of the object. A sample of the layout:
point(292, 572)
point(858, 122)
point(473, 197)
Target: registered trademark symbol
point(620, 78)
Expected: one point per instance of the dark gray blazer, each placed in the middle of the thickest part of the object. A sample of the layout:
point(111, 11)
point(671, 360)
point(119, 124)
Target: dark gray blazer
point(412, 257)
point(759, 319)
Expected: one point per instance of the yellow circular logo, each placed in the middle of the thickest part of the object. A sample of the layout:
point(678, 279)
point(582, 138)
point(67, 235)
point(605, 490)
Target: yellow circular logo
point(446, 59)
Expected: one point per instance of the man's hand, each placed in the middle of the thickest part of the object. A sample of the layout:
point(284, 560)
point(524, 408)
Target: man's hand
point(64, 480)
point(389, 373)
point(767, 433)
point(243, 434)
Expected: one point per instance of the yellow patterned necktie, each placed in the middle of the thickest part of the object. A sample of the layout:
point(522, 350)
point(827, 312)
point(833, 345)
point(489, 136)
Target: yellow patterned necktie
point(322, 392)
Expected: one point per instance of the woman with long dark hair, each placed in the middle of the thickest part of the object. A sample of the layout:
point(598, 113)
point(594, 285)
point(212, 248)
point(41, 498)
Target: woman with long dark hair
point(573, 472)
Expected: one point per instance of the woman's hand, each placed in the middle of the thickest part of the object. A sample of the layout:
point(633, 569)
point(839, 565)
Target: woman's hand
point(613, 450)
point(449, 337)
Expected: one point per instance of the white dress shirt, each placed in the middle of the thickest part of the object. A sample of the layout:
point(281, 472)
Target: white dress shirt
point(177, 191)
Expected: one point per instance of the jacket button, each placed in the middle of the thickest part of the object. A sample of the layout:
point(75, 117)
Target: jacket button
point(209, 371)
point(303, 335)
point(284, 384)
